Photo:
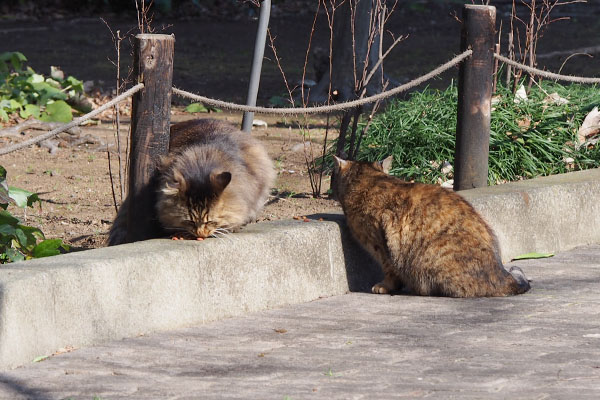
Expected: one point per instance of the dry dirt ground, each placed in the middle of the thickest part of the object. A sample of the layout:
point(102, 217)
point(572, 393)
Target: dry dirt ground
point(75, 189)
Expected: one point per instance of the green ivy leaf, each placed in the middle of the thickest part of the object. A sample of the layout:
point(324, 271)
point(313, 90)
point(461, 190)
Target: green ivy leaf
point(30, 110)
point(14, 255)
point(22, 237)
point(47, 248)
point(6, 218)
point(4, 197)
point(196, 108)
point(14, 57)
point(3, 115)
point(14, 105)
point(48, 92)
point(33, 233)
point(23, 198)
point(75, 84)
point(7, 230)
point(58, 111)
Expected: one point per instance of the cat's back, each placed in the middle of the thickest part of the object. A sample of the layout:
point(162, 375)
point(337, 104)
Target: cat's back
point(416, 212)
point(377, 191)
point(199, 132)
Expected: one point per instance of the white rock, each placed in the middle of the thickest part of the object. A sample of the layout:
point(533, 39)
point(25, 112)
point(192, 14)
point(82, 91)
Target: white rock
point(260, 123)
point(56, 73)
point(446, 168)
point(449, 184)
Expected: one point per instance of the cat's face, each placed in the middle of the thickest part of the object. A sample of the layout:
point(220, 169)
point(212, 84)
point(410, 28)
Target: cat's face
point(196, 207)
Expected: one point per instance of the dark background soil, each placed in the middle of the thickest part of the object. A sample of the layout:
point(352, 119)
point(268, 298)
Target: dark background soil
point(213, 54)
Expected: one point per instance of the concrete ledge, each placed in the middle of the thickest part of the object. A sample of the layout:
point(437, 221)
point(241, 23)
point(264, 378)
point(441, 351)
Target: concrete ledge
point(548, 214)
point(85, 298)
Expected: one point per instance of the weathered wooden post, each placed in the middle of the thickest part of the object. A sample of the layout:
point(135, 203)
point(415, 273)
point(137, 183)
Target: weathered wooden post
point(150, 117)
point(474, 98)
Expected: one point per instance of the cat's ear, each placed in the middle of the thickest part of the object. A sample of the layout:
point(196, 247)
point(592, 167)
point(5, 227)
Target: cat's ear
point(341, 164)
point(386, 164)
point(220, 181)
point(164, 162)
point(175, 185)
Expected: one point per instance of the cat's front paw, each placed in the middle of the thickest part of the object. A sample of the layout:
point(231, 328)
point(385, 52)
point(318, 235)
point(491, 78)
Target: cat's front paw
point(380, 288)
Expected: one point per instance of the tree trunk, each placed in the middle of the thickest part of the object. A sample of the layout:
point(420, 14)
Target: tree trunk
point(352, 47)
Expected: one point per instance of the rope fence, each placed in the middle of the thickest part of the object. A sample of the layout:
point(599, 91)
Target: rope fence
point(546, 74)
point(297, 110)
point(325, 109)
point(75, 122)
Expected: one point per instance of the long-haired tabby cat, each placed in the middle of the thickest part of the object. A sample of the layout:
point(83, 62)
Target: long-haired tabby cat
point(427, 239)
point(214, 179)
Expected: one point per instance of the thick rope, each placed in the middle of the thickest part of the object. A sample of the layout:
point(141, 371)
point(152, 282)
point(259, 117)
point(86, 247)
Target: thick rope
point(325, 109)
point(75, 122)
point(546, 74)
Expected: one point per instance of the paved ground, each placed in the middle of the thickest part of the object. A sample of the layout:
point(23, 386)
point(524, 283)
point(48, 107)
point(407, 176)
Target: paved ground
point(545, 344)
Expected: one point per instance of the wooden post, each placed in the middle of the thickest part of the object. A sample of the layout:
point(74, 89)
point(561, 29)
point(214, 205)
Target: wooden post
point(474, 98)
point(150, 117)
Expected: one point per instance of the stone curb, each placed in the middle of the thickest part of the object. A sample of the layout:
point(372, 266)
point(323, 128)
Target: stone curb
point(93, 296)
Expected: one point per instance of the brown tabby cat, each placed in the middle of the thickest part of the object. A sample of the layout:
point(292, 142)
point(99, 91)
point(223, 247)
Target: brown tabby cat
point(214, 180)
point(426, 238)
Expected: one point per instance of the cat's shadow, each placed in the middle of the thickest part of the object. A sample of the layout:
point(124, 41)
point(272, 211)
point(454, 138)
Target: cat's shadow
point(362, 270)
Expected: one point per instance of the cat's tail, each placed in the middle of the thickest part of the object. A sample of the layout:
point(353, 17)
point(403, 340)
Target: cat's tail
point(521, 282)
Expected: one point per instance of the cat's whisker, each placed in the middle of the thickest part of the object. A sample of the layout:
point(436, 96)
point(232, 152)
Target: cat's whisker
point(221, 235)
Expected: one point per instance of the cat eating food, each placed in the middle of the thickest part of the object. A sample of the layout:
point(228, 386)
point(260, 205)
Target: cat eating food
point(427, 239)
point(214, 180)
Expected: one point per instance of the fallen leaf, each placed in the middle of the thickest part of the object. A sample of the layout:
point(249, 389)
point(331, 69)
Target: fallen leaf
point(280, 330)
point(590, 125)
point(524, 123)
point(534, 255)
point(520, 95)
point(555, 98)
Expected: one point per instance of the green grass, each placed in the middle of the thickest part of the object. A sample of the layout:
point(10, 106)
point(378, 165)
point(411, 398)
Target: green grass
point(528, 139)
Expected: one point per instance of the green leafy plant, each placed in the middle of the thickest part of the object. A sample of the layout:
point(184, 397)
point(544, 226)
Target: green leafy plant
point(531, 138)
point(20, 242)
point(201, 108)
point(25, 93)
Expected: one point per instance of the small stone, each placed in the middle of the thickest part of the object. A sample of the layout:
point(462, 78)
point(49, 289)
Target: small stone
point(260, 123)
